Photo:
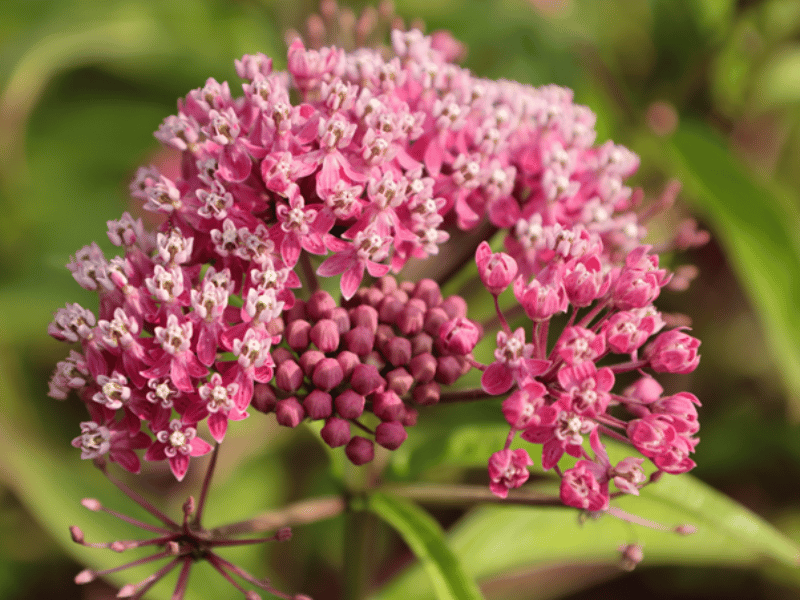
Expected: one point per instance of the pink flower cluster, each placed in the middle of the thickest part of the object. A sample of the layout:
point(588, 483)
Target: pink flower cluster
point(562, 394)
point(382, 160)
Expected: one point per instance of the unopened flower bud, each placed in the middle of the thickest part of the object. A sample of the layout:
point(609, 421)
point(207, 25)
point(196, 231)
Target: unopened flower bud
point(336, 432)
point(297, 334)
point(390, 434)
point(85, 576)
point(320, 304)
point(298, 311)
point(91, 504)
point(397, 351)
point(366, 379)
point(360, 450)
point(318, 405)
point(341, 317)
point(450, 368)
point(264, 398)
point(360, 340)
point(281, 355)
point(454, 306)
point(76, 533)
point(289, 412)
point(289, 376)
point(350, 404)
point(427, 394)
point(348, 361)
point(412, 317)
point(365, 316)
point(423, 367)
point(389, 309)
point(325, 335)
point(434, 319)
point(327, 374)
point(387, 406)
point(632, 555)
point(673, 352)
point(496, 271)
point(428, 291)
point(421, 343)
point(309, 360)
point(459, 336)
point(399, 381)
point(283, 534)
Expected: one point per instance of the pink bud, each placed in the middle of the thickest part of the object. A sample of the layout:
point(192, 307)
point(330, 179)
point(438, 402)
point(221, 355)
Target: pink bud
point(496, 271)
point(85, 576)
point(427, 394)
point(454, 306)
point(423, 367)
point(76, 534)
point(289, 376)
point(450, 368)
point(421, 343)
point(280, 355)
point(389, 310)
point(390, 434)
point(399, 381)
point(673, 352)
point(91, 504)
point(366, 379)
point(434, 319)
point(364, 315)
point(320, 304)
point(387, 406)
point(289, 412)
point(309, 360)
point(428, 291)
point(412, 317)
point(360, 340)
point(350, 404)
point(325, 335)
point(341, 317)
point(264, 398)
point(298, 311)
point(336, 432)
point(327, 374)
point(297, 335)
point(318, 404)
point(360, 450)
point(397, 351)
point(348, 361)
point(459, 336)
point(283, 534)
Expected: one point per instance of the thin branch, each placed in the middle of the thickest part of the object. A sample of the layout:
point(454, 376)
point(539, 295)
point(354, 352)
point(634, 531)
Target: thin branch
point(299, 513)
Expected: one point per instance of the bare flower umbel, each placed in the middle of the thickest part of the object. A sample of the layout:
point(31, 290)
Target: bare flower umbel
point(179, 544)
point(386, 156)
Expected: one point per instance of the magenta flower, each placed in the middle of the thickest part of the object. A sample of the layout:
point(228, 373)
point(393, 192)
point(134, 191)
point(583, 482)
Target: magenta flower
point(177, 442)
point(508, 469)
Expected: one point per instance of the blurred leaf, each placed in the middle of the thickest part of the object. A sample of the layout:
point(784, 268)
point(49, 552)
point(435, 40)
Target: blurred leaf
point(426, 539)
point(493, 540)
point(760, 234)
point(779, 80)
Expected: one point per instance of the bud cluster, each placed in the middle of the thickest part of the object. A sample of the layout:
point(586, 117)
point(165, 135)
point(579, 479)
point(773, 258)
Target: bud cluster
point(379, 353)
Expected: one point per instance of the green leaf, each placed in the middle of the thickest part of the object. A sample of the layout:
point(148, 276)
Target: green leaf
point(426, 539)
point(495, 540)
point(760, 234)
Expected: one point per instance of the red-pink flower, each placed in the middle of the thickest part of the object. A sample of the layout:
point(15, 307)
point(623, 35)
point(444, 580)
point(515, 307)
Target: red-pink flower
point(496, 270)
point(177, 442)
point(508, 469)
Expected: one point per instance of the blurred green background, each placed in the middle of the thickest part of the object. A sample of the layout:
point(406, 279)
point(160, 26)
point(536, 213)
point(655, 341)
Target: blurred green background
point(707, 92)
